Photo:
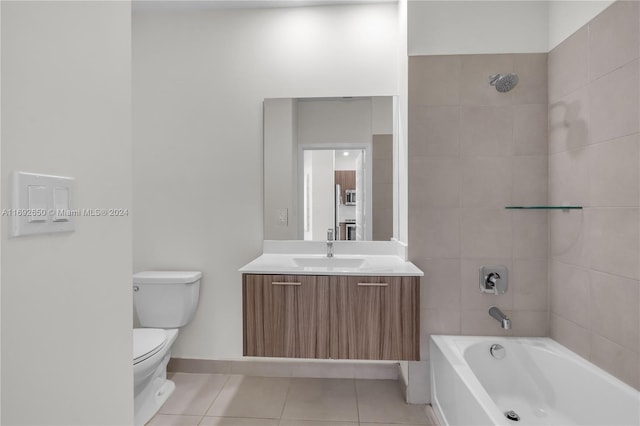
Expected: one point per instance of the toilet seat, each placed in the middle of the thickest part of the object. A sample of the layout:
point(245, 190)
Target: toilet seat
point(147, 342)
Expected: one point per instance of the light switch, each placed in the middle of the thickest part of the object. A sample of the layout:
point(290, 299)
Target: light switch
point(283, 216)
point(37, 203)
point(42, 204)
point(61, 204)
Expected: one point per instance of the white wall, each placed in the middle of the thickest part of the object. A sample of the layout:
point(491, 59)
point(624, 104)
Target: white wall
point(400, 127)
point(66, 298)
point(322, 193)
point(566, 17)
point(476, 27)
point(280, 165)
point(382, 115)
point(346, 162)
point(200, 78)
point(1, 192)
point(465, 27)
point(307, 232)
point(337, 121)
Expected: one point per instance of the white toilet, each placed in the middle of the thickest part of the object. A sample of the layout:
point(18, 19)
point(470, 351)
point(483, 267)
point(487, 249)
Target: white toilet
point(164, 301)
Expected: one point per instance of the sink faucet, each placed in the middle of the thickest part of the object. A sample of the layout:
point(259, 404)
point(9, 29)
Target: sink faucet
point(330, 242)
point(496, 313)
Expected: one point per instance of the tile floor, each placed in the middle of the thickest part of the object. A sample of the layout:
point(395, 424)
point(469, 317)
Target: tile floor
point(237, 400)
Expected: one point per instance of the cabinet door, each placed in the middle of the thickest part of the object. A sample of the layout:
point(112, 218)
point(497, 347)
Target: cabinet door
point(374, 318)
point(286, 316)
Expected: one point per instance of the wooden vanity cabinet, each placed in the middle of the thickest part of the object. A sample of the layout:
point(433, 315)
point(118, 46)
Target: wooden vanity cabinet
point(285, 316)
point(339, 317)
point(374, 317)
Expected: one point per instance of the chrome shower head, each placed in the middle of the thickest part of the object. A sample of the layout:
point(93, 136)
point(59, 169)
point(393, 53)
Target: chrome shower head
point(504, 82)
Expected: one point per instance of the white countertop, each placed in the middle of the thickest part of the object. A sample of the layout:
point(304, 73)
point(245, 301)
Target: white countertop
point(344, 262)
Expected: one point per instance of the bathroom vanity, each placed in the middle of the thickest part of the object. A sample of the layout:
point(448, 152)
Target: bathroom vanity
point(307, 305)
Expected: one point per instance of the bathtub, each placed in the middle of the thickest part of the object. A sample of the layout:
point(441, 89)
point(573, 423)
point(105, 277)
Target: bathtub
point(538, 379)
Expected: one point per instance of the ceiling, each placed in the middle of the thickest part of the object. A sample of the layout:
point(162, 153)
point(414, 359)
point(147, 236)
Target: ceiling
point(241, 4)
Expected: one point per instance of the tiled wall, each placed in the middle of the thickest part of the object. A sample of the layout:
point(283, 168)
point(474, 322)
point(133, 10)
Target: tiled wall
point(594, 161)
point(473, 151)
point(382, 187)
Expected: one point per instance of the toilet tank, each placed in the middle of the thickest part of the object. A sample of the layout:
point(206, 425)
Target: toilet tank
point(166, 299)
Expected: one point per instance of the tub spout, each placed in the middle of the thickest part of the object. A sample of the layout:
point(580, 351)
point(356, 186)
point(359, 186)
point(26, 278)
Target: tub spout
point(506, 324)
point(504, 320)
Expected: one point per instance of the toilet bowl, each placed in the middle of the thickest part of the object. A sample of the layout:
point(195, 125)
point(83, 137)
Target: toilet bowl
point(151, 354)
point(164, 300)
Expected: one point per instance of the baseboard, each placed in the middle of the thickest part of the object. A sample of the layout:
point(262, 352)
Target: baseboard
point(286, 367)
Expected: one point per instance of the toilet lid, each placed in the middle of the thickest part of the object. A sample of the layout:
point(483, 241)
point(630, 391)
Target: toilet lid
point(147, 342)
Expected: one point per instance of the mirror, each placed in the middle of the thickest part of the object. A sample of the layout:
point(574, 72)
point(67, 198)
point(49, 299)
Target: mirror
point(329, 163)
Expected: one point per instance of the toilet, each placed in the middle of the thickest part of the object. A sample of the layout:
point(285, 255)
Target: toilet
point(164, 302)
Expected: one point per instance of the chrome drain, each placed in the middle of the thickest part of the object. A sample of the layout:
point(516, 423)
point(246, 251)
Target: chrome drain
point(497, 351)
point(512, 415)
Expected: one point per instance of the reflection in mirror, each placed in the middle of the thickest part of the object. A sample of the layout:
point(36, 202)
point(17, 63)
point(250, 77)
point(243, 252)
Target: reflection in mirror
point(329, 164)
point(334, 193)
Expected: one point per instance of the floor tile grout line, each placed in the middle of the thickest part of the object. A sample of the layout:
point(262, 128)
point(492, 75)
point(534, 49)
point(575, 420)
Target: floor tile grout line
point(215, 398)
point(355, 388)
point(317, 379)
point(201, 419)
point(286, 397)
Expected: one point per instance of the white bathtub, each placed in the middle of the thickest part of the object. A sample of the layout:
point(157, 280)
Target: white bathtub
point(539, 379)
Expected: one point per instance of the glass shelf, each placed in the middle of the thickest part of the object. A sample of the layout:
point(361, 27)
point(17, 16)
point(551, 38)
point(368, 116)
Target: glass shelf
point(544, 207)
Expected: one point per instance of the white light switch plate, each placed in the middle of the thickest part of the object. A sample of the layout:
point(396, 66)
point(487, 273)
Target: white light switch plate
point(282, 217)
point(35, 209)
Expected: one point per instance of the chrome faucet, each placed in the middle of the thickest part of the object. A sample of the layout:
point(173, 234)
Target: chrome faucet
point(492, 280)
point(330, 242)
point(504, 320)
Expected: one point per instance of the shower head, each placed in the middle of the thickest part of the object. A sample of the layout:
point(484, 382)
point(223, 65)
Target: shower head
point(504, 82)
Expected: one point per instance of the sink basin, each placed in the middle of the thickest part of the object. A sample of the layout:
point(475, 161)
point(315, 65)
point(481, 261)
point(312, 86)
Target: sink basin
point(328, 262)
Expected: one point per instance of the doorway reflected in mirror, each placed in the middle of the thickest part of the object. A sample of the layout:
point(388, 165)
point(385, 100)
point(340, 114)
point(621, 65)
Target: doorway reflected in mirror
point(335, 193)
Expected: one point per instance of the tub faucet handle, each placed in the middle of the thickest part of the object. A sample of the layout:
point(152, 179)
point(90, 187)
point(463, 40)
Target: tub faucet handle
point(492, 279)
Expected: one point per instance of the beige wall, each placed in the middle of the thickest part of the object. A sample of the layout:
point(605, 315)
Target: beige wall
point(473, 151)
point(66, 298)
point(382, 183)
point(594, 91)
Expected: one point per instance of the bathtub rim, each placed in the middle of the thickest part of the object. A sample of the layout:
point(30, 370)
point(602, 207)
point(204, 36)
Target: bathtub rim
point(466, 375)
point(454, 346)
